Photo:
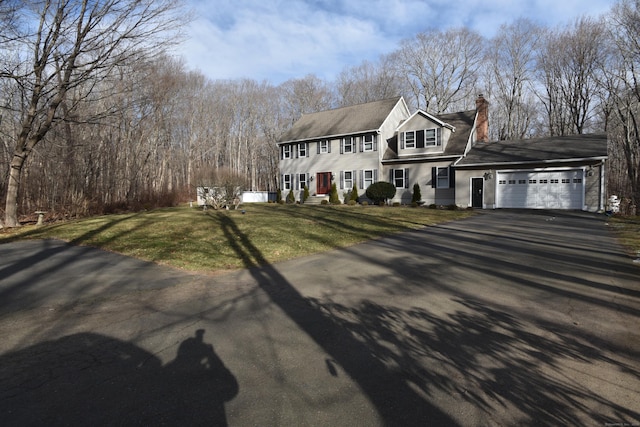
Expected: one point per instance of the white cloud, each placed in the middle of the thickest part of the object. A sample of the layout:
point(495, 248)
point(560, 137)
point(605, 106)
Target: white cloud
point(278, 40)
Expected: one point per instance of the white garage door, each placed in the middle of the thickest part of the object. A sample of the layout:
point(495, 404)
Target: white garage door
point(540, 190)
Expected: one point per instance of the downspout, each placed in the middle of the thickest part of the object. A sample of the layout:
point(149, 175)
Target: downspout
point(601, 206)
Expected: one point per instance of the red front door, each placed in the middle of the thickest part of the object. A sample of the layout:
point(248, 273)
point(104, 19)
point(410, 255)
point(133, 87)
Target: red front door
point(323, 183)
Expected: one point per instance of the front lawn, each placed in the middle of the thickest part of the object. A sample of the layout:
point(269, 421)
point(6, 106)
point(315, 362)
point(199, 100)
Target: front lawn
point(197, 240)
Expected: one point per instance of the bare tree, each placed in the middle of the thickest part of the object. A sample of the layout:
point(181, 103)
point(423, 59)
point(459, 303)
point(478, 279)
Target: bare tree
point(74, 44)
point(307, 95)
point(510, 68)
point(368, 82)
point(622, 82)
point(441, 68)
point(568, 68)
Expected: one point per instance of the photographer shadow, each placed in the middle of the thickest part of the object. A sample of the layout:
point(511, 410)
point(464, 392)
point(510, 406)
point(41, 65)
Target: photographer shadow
point(92, 379)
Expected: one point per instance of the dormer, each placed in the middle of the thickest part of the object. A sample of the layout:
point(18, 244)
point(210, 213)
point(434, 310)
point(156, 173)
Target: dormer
point(423, 134)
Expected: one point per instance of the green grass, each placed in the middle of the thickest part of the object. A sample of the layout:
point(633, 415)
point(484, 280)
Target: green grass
point(192, 239)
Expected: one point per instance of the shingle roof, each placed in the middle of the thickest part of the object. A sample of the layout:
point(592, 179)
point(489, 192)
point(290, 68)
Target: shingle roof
point(341, 121)
point(463, 123)
point(537, 150)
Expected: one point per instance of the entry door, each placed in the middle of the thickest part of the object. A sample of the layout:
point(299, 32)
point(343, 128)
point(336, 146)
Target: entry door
point(323, 180)
point(477, 186)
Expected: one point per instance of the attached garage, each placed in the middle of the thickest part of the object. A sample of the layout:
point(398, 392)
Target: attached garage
point(562, 189)
point(565, 172)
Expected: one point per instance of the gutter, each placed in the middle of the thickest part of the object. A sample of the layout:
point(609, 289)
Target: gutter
point(319, 138)
point(525, 162)
point(420, 159)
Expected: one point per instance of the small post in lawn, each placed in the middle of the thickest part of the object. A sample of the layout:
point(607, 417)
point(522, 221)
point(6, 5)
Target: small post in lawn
point(40, 217)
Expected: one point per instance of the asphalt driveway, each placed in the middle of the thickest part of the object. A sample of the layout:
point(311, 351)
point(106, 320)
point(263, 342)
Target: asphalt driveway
point(506, 318)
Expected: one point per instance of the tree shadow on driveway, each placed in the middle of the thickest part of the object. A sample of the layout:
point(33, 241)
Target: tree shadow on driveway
point(396, 402)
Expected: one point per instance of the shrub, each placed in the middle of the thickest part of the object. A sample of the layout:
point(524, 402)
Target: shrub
point(416, 197)
point(452, 207)
point(324, 202)
point(352, 202)
point(333, 195)
point(291, 198)
point(414, 204)
point(433, 206)
point(305, 194)
point(380, 191)
point(364, 203)
point(279, 196)
point(354, 193)
point(396, 204)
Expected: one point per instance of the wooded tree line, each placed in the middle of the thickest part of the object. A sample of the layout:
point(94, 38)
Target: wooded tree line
point(94, 117)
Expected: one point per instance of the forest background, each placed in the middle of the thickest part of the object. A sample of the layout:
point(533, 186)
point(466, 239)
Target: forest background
point(96, 117)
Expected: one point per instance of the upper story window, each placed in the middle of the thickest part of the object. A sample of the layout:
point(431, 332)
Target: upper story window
point(302, 149)
point(286, 151)
point(432, 138)
point(369, 142)
point(324, 146)
point(347, 145)
point(410, 139)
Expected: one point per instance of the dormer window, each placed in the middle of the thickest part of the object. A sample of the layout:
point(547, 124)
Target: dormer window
point(421, 138)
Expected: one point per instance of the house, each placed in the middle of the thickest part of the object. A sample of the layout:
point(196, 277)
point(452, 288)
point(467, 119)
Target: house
point(447, 155)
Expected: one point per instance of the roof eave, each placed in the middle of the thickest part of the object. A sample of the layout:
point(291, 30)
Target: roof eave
point(319, 138)
point(526, 162)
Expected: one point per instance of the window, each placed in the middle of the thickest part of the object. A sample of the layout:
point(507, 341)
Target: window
point(324, 146)
point(286, 182)
point(554, 181)
point(532, 181)
point(400, 178)
point(302, 149)
point(431, 138)
point(512, 181)
point(544, 181)
point(347, 145)
point(303, 180)
point(566, 181)
point(368, 143)
point(410, 139)
point(347, 180)
point(522, 181)
point(442, 175)
point(502, 181)
point(577, 180)
point(286, 151)
point(368, 178)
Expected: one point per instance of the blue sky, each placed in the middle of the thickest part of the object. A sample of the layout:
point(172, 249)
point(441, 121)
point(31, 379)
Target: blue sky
point(276, 40)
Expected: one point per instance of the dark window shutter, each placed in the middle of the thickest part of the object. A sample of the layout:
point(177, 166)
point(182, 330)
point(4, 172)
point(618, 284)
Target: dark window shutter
point(375, 175)
point(391, 178)
point(406, 178)
point(318, 147)
point(329, 146)
point(361, 144)
point(439, 137)
point(342, 142)
point(342, 180)
point(420, 139)
point(434, 177)
point(375, 142)
point(452, 177)
point(402, 140)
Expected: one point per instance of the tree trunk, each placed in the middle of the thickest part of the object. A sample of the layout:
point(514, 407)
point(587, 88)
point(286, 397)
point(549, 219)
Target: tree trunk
point(11, 208)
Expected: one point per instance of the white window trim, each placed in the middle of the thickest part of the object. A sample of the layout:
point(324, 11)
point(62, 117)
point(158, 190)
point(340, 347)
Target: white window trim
point(324, 146)
point(286, 151)
point(438, 169)
point(303, 149)
point(351, 145)
point(413, 143)
point(371, 143)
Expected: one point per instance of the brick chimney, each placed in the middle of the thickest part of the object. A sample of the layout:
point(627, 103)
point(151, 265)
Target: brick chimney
point(482, 119)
